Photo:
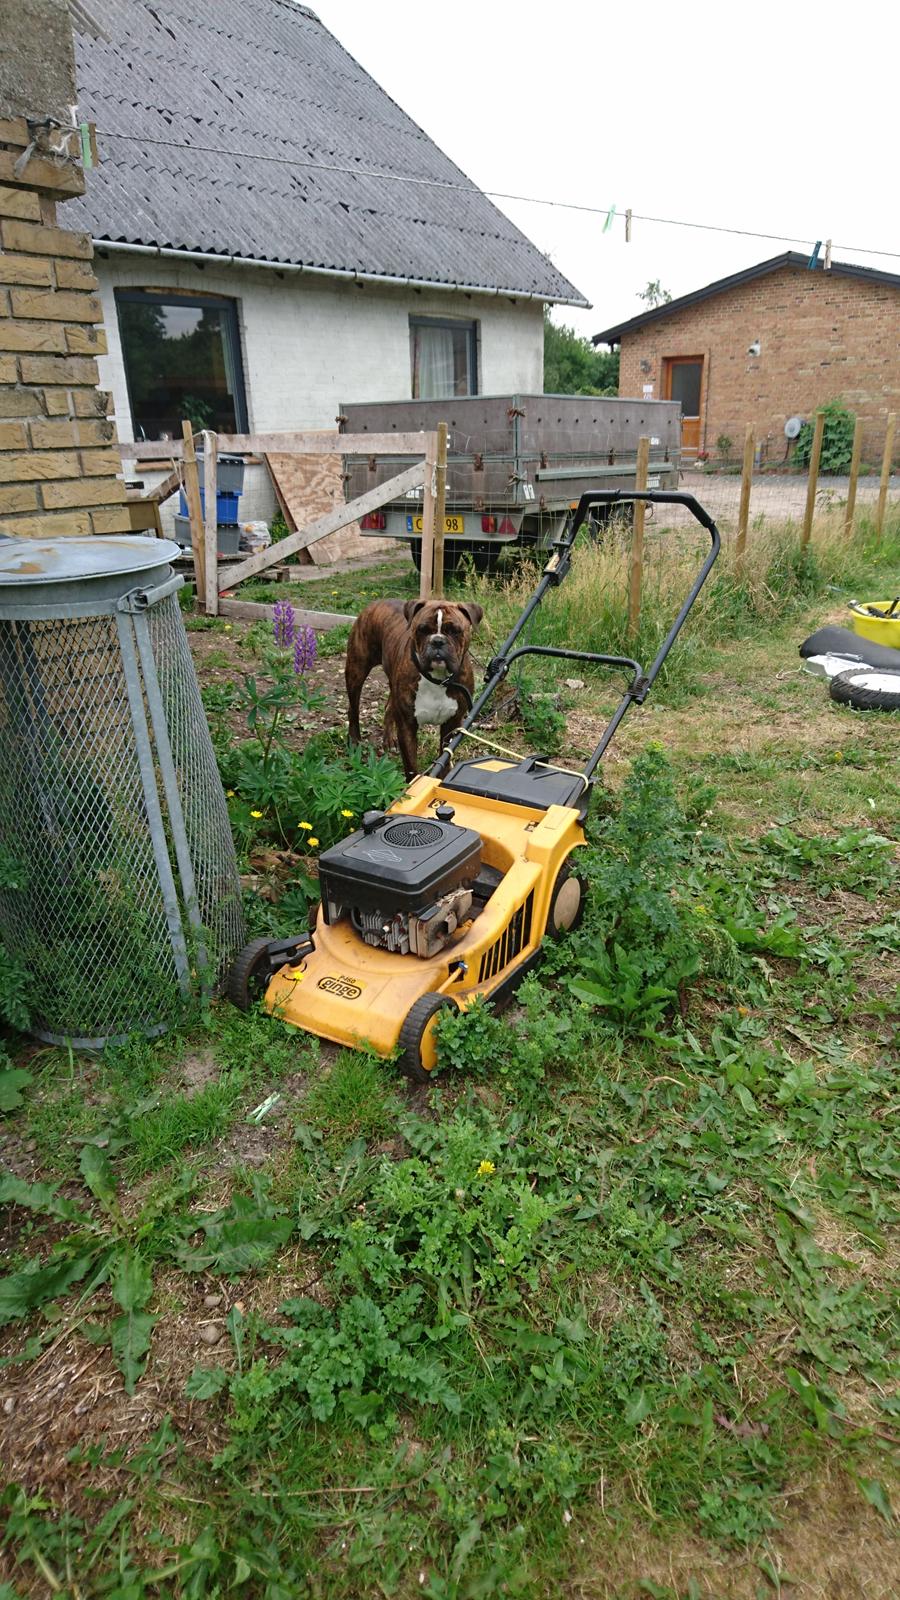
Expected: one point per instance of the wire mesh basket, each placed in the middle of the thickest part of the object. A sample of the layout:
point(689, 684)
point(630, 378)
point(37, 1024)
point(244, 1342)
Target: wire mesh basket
point(119, 890)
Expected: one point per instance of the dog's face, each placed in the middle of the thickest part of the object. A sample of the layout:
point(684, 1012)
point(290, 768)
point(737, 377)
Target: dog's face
point(441, 632)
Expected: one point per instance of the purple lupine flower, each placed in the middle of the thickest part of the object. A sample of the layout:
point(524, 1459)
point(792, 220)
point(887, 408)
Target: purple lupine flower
point(283, 622)
point(304, 650)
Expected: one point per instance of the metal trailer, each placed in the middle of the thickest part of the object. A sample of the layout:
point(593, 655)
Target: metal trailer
point(516, 463)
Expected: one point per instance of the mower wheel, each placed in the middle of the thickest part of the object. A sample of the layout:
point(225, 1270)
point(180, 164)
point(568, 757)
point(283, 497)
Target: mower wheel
point(867, 688)
point(249, 974)
point(566, 902)
point(418, 1050)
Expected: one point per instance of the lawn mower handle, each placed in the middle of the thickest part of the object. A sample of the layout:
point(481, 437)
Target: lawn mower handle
point(552, 575)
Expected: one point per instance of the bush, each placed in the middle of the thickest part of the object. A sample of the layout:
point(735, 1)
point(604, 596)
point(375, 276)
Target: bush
point(837, 440)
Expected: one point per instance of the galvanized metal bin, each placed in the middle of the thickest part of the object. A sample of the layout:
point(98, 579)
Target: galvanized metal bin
point(119, 890)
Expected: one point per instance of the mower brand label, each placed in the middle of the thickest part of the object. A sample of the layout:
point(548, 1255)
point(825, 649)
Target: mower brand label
point(344, 988)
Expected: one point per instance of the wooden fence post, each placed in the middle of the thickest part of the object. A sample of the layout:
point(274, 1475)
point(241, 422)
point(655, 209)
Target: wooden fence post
point(854, 476)
point(813, 479)
point(885, 472)
point(637, 539)
point(746, 485)
point(429, 495)
point(440, 504)
point(195, 511)
point(210, 522)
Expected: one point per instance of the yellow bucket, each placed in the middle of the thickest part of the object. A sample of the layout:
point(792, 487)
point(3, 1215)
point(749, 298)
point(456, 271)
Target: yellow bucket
point(883, 629)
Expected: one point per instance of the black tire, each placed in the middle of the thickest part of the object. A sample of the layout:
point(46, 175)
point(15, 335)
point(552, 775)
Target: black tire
point(484, 557)
point(248, 976)
point(416, 1032)
point(565, 911)
point(867, 688)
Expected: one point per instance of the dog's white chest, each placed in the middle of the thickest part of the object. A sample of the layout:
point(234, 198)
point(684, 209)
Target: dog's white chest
point(433, 704)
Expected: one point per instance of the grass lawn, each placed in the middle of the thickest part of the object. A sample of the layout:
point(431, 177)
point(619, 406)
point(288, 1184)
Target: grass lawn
point(608, 1312)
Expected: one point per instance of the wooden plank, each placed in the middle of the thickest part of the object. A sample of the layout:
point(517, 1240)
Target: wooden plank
point(854, 477)
point(340, 517)
point(342, 444)
point(169, 486)
point(210, 521)
point(815, 455)
point(440, 506)
point(261, 444)
point(885, 473)
point(636, 579)
point(429, 496)
point(254, 611)
point(746, 485)
point(195, 511)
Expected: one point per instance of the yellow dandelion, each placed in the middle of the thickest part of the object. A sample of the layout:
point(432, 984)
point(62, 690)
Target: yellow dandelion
point(743, 1011)
point(486, 1169)
point(256, 813)
point(229, 794)
point(346, 813)
point(312, 842)
point(307, 826)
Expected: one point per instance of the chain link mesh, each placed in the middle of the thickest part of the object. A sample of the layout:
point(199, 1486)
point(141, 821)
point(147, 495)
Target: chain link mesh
point(81, 902)
point(206, 823)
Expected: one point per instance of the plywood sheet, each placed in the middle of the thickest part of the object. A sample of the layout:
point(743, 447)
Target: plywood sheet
point(307, 487)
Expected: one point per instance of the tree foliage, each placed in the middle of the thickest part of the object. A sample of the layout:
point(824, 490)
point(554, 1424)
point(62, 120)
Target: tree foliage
point(837, 439)
point(573, 366)
point(654, 295)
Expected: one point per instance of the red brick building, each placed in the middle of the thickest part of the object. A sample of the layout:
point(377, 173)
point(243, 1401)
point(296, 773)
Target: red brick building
point(766, 344)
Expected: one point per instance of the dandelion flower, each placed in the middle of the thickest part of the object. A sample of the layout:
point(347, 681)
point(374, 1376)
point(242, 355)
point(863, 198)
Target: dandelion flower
point(307, 826)
point(229, 794)
point(486, 1169)
point(256, 813)
point(346, 813)
point(312, 841)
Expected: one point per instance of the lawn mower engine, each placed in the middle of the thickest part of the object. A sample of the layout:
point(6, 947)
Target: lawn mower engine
point(403, 881)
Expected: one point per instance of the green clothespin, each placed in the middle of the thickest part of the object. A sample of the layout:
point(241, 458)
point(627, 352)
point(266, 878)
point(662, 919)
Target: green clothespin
point(610, 216)
point(88, 134)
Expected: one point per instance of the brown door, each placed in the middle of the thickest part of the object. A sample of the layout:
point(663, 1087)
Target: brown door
point(683, 381)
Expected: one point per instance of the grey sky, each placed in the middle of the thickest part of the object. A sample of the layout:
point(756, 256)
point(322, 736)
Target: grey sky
point(778, 118)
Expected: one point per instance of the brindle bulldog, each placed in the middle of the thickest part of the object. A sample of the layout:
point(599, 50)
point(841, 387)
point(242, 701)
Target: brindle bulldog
point(423, 647)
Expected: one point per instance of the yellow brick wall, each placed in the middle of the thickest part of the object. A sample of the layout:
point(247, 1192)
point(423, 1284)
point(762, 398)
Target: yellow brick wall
point(59, 468)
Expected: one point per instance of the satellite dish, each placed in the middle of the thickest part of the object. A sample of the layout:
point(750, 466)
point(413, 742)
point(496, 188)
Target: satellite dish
point(792, 427)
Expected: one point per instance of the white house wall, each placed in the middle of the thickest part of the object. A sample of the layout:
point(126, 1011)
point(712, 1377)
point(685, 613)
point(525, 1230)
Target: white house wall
point(309, 344)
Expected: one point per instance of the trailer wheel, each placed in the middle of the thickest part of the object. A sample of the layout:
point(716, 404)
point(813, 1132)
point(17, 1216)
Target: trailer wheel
point(248, 976)
point(867, 688)
point(566, 902)
point(418, 1048)
point(484, 556)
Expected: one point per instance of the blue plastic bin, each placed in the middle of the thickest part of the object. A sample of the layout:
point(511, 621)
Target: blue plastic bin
point(226, 505)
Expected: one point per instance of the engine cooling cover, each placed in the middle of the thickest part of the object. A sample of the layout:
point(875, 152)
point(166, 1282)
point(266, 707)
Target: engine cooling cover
point(395, 867)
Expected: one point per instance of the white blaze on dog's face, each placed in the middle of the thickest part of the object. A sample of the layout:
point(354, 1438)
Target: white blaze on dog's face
point(441, 633)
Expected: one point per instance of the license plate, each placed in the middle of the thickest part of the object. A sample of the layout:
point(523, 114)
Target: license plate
point(451, 525)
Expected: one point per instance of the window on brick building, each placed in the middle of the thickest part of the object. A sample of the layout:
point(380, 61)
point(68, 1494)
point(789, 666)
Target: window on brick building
point(443, 358)
point(182, 357)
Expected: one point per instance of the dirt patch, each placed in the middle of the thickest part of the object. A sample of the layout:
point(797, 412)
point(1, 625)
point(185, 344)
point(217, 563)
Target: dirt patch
point(198, 1070)
point(832, 1546)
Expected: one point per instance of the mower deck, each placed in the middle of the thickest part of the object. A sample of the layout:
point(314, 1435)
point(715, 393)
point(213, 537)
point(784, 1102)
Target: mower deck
point(354, 994)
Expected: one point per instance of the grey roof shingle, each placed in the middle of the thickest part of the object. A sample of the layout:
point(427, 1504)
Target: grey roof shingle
point(265, 78)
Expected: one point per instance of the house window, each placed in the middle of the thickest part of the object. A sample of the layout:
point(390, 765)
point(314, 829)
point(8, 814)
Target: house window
point(182, 361)
point(443, 356)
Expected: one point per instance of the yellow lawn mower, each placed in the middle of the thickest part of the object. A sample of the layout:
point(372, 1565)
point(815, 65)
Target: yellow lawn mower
point(450, 893)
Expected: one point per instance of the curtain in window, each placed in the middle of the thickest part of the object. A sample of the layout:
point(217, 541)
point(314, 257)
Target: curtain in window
point(434, 361)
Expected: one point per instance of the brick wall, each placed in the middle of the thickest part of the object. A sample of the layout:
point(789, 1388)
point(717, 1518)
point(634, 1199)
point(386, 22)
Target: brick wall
point(821, 335)
point(58, 461)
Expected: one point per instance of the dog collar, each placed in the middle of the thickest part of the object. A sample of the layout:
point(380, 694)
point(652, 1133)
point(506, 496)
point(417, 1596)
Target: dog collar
point(443, 683)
